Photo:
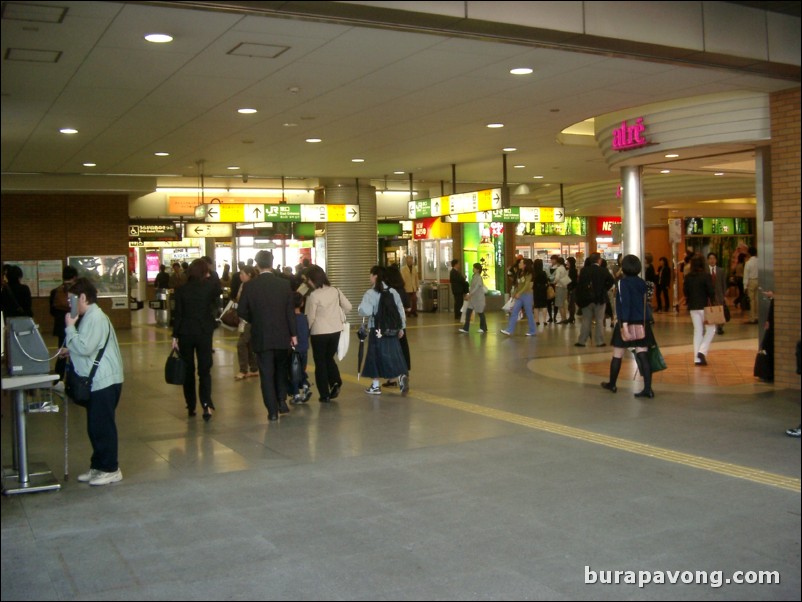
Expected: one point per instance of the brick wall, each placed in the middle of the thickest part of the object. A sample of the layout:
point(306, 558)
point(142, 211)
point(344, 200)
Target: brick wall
point(785, 166)
point(55, 226)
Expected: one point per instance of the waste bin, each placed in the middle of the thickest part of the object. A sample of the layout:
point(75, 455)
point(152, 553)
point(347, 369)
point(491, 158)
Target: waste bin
point(163, 306)
point(444, 297)
point(428, 297)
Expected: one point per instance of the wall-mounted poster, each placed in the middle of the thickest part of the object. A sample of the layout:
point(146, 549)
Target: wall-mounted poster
point(30, 274)
point(107, 272)
point(49, 275)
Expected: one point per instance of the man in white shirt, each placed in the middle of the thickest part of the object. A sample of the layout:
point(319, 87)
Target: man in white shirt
point(751, 284)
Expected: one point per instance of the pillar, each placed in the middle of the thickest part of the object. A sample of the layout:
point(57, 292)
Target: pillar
point(632, 198)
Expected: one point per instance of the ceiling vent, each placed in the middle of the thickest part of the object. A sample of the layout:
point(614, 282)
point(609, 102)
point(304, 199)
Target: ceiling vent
point(38, 13)
point(258, 51)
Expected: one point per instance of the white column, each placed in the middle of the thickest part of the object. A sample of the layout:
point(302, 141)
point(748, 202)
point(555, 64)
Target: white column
point(632, 195)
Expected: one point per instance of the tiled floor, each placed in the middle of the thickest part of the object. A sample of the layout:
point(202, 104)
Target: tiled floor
point(505, 473)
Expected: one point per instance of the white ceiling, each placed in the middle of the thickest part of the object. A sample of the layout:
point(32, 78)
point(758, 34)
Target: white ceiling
point(400, 100)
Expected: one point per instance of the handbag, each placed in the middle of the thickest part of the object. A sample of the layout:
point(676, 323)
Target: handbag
point(230, 317)
point(175, 369)
point(763, 369)
point(714, 314)
point(79, 388)
point(656, 360)
point(296, 369)
point(633, 332)
point(550, 292)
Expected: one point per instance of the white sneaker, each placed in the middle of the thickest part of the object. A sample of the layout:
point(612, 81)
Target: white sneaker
point(508, 333)
point(59, 386)
point(403, 383)
point(462, 330)
point(482, 331)
point(374, 390)
point(104, 478)
point(88, 476)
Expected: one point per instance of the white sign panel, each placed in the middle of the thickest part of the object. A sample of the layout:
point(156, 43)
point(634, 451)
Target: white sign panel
point(208, 230)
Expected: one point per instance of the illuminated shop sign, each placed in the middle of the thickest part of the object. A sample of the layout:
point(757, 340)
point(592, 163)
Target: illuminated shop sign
point(627, 137)
point(604, 225)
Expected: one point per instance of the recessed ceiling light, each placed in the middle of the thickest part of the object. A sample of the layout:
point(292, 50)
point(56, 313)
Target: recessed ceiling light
point(537, 177)
point(68, 131)
point(233, 167)
point(246, 111)
point(495, 125)
point(672, 156)
point(162, 154)
point(509, 149)
point(519, 166)
point(719, 173)
point(521, 71)
point(357, 160)
point(289, 124)
point(399, 173)
point(90, 164)
point(665, 171)
point(314, 140)
point(159, 38)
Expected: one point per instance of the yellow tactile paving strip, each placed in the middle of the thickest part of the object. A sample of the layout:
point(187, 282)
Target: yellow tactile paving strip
point(634, 447)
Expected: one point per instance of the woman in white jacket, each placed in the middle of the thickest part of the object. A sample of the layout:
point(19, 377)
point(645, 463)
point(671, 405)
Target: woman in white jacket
point(476, 300)
point(561, 280)
point(326, 308)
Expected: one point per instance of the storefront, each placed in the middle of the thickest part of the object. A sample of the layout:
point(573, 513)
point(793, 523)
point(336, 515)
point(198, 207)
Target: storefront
point(541, 240)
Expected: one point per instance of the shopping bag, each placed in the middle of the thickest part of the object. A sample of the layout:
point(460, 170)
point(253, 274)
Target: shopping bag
point(345, 340)
point(714, 314)
point(508, 305)
point(175, 370)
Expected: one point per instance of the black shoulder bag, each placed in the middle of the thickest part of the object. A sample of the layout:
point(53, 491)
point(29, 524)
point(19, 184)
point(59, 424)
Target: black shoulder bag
point(79, 388)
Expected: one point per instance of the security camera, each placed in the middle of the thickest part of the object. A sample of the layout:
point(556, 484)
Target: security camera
point(244, 178)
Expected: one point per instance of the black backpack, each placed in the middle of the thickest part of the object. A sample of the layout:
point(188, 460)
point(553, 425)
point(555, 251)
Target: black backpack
point(387, 319)
point(584, 292)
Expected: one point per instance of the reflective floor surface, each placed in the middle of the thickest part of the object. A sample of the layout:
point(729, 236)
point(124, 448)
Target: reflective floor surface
point(505, 473)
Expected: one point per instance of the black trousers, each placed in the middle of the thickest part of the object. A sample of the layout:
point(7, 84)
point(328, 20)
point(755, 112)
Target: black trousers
point(459, 299)
point(327, 373)
point(190, 345)
point(274, 377)
point(102, 428)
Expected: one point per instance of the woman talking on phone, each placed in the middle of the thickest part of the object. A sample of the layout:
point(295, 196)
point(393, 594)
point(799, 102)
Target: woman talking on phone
point(84, 342)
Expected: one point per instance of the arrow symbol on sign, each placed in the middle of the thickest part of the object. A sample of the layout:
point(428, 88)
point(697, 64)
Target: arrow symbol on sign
point(211, 212)
point(256, 212)
point(496, 199)
point(558, 214)
point(353, 212)
point(199, 229)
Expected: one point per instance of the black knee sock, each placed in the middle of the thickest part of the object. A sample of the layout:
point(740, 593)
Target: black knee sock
point(642, 359)
point(615, 368)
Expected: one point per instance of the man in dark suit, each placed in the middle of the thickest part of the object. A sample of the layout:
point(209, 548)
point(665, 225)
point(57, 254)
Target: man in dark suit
point(594, 282)
point(719, 277)
point(267, 305)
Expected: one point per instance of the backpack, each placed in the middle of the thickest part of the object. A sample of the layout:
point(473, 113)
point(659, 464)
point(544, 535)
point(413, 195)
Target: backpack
point(387, 319)
point(584, 292)
point(61, 301)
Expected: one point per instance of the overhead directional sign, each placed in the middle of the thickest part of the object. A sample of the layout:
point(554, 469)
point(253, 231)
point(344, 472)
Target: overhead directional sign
point(463, 202)
point(208, 230)
point(232, 213)
point(512, 214)
point(154, 231)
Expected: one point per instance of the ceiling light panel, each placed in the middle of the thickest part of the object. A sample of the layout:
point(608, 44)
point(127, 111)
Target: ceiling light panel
point(16, 11)
point(30, 55)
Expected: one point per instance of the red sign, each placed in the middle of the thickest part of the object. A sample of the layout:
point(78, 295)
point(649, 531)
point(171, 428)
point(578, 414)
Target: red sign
point(604, 225)
point(426, 228)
